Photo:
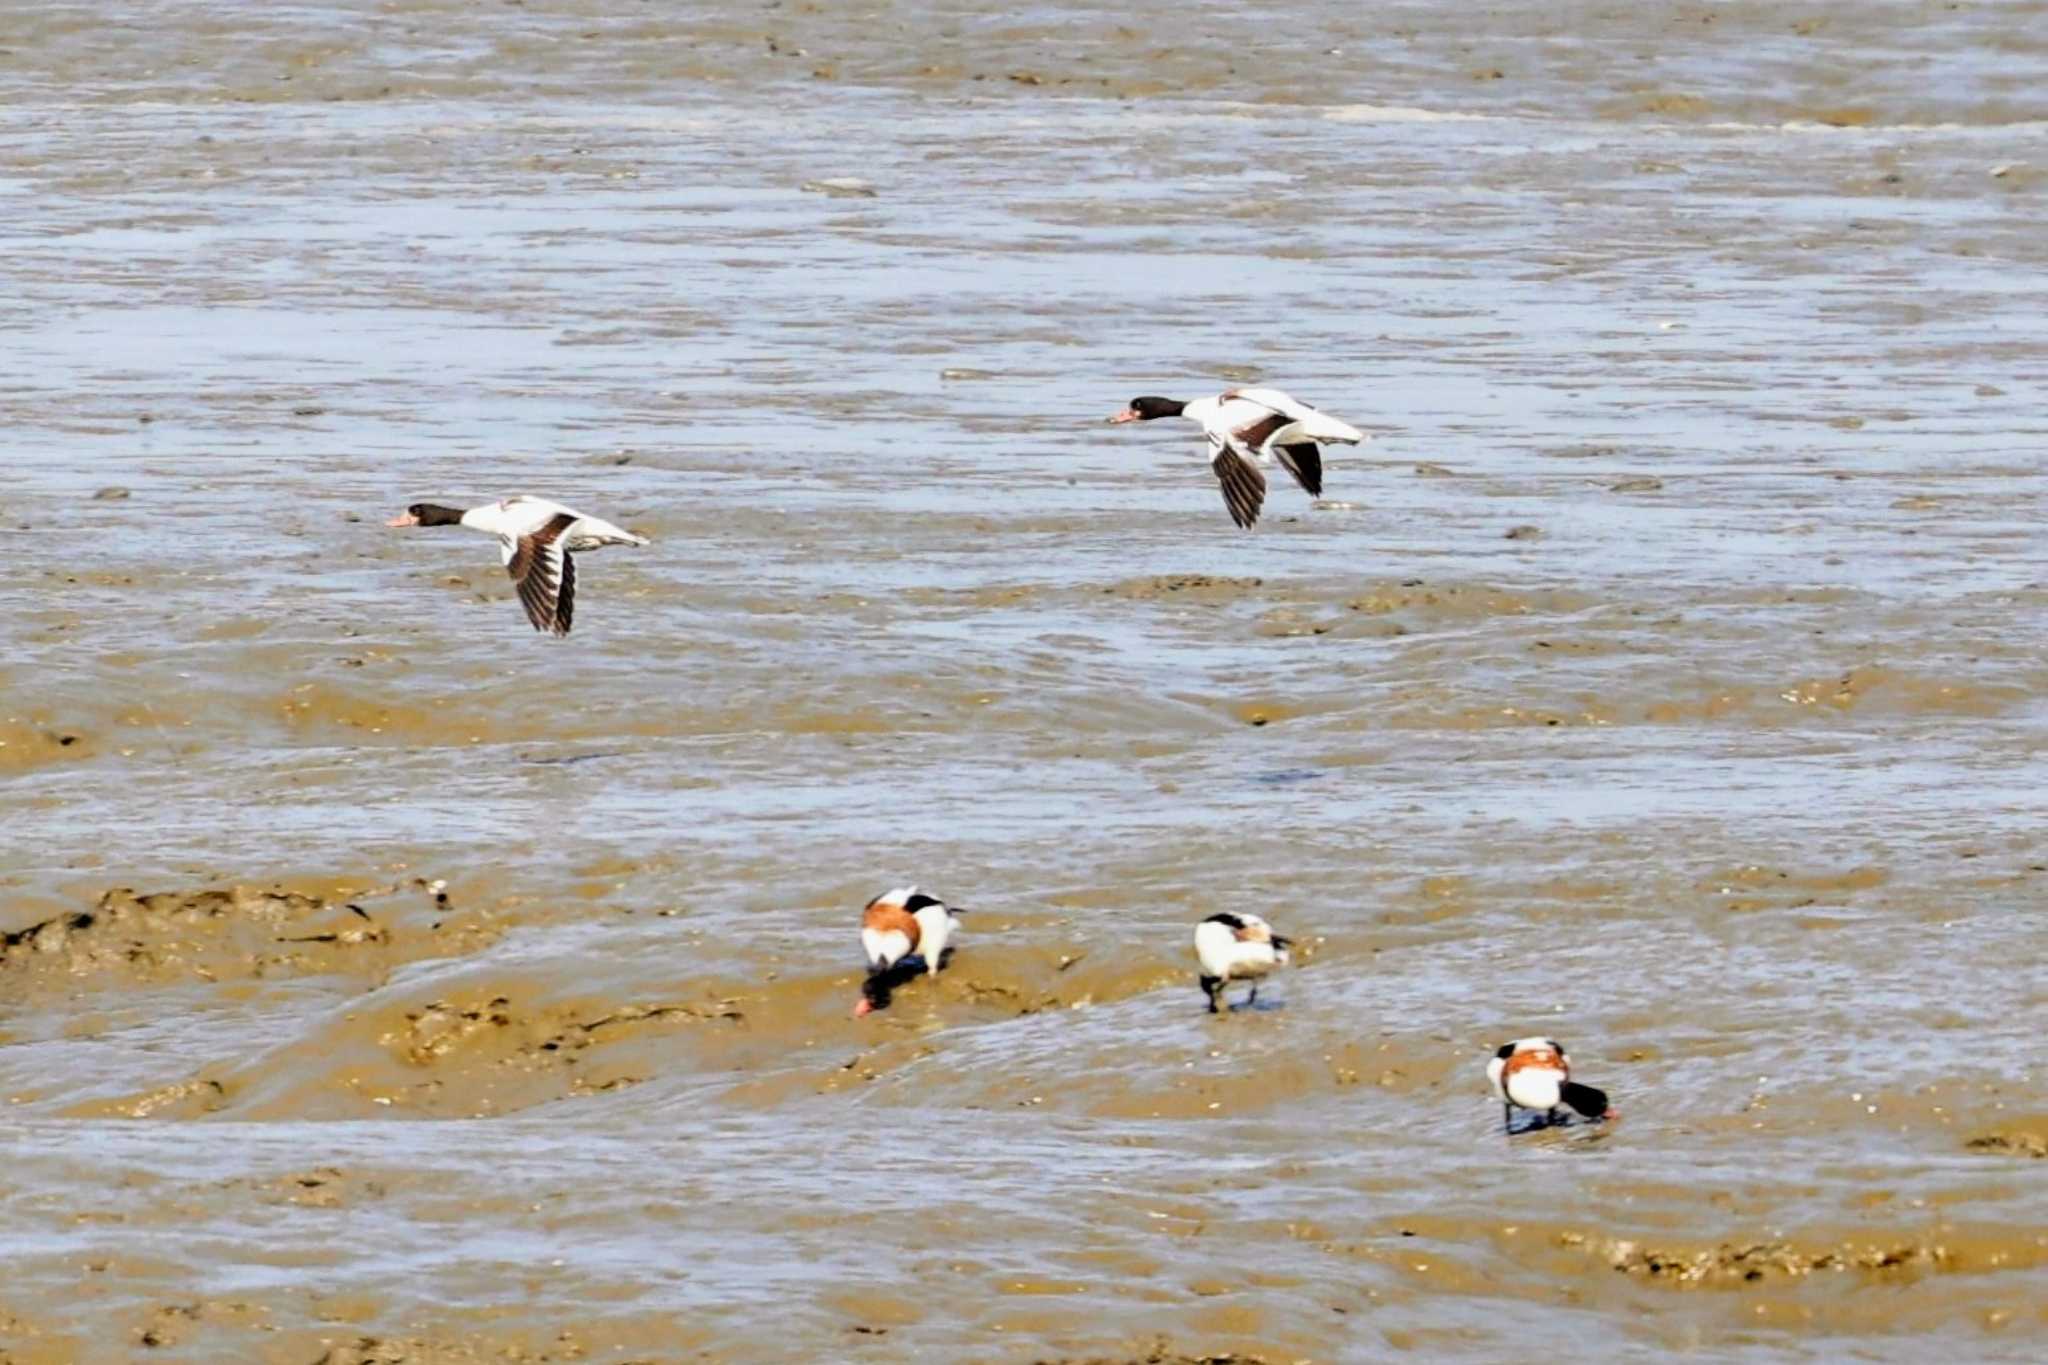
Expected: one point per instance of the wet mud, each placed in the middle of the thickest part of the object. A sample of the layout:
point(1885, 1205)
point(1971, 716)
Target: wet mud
point(384, 984)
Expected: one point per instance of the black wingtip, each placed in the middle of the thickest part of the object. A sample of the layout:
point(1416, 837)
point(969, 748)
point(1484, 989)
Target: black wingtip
point(1304, 460)
point(1244, 488)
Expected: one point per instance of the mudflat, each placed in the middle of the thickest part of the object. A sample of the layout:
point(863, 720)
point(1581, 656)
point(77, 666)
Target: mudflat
point(382, 982)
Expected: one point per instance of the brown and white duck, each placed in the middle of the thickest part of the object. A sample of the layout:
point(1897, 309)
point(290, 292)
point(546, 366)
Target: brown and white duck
point(1237, 946)
point(903, 934)
point(1248, 428)
point(535, 537)
point(1533, 1074)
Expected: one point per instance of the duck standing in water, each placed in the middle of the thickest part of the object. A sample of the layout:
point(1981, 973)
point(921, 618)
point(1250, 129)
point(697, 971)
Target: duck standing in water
point(1236, 947)
point(535, 537)
point(1534, 1074)
point(903, 933)
point(1252, 427)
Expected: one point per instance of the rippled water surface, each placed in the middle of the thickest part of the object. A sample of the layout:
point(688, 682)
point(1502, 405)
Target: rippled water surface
point(1666, 675)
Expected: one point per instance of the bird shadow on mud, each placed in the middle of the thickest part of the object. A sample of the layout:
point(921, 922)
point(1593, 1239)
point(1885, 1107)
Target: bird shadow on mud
point(1581, 1129)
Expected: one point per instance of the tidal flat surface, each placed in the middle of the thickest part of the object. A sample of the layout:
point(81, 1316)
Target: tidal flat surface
point(1667, 675)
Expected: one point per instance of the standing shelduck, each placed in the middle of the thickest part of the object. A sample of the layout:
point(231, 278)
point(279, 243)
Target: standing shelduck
point(536, 537)
point(1534, 1074)
point(1248, 428)
point(1236, 947)
point(902, 933)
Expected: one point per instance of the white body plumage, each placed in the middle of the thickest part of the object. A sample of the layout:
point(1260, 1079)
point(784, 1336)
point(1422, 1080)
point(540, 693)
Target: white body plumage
point(1236, 947)
point(1534, 1074)
point(1248, 428)
point(1228, 414)
point(510, 518)
point(535, 537)
point(936, 923)
point(884, 948)
point(896, 926)
point(1223, 954)
point(1538, 1076)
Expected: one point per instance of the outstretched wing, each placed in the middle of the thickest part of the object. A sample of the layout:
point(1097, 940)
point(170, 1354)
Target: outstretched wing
point(545, 576)
point(1283, 436)
point(1320, 426)
point(1304, 460)
point(565, 600)
point(1244, 488)
point(1255, 433)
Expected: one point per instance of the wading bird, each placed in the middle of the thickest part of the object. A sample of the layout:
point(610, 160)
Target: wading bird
point(1236, 947)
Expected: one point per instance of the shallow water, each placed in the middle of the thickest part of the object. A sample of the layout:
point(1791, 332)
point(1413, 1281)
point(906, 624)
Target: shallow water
point(1727, 769)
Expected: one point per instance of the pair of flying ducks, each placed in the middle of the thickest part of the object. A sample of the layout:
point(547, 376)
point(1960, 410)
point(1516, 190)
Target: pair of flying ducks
point(1246, 428)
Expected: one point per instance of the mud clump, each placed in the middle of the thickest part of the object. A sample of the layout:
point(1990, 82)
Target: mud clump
point(173, 1324)
point(1730, 1264)
point(25, 745)
point(235, 933)
point(637, 1338)
point(1460, 602)
point(1755, 887)
point(1883, 689)
point(1188, 587)
point(323, 1187)
point(1160, 1353)
point(2024, 1142)
point(439, 1030)
point(381, 1351)
point(496, 1056)
point(180, 1100)
point(1263, 712)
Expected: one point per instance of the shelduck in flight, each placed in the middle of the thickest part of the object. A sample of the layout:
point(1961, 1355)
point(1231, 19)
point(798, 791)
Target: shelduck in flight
point(535, 537)
point(1248, 428)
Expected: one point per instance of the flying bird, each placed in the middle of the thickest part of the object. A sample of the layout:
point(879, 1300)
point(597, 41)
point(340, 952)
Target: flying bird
point(1248, 428)
point(536, 538)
